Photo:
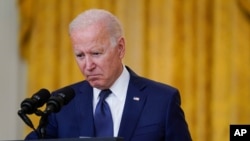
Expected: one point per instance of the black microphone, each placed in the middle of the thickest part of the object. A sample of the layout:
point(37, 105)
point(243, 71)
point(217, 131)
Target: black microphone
point(30, 105)
point(61, 98)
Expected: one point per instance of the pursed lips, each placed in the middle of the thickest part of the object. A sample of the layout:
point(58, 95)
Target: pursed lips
point(93, 76)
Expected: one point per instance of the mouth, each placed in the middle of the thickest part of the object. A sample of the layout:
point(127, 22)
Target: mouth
point(93, 77)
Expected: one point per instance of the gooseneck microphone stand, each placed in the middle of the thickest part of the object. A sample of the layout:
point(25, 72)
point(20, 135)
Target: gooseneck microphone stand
point(29, 123)
point(41, 129)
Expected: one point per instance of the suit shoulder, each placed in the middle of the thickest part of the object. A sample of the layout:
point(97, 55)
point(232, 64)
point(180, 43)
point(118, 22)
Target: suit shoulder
point(79, 84)
point(158, 85)
point(149, 84)
point(160, 91)
point(75, 85)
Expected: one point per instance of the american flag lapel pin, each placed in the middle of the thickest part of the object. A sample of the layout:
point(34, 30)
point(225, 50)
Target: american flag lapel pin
point(136, 98)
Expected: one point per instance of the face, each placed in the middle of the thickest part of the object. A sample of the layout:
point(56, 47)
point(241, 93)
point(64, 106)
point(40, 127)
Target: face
point(98, 61)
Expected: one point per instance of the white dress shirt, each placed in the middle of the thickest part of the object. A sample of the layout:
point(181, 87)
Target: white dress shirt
point(116, 99)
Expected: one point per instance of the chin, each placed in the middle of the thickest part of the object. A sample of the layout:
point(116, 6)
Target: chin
point(97, 85)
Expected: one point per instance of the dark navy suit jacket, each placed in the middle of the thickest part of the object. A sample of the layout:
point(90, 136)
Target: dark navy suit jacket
point(156, 116)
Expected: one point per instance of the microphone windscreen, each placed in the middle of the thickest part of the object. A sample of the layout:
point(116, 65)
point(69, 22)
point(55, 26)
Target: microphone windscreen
point(60, 98)
point(67, 93)
point(41, 97)
point(30, 105)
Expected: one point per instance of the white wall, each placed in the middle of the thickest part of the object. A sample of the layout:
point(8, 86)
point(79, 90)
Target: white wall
point(12, 73)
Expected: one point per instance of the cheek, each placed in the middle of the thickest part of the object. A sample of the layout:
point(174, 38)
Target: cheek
point(111, 66)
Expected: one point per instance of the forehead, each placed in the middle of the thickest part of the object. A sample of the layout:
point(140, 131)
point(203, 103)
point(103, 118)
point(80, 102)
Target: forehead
point(95, 32)
point(91, 38)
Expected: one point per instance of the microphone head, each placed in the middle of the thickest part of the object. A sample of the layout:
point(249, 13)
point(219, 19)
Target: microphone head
point(61, 98)
point(67, 93)
point(30, 105)
point(41, 97)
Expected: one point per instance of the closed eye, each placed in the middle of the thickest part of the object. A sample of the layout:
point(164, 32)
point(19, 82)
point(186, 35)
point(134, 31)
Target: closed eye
point(96, 53)
point(80, 55)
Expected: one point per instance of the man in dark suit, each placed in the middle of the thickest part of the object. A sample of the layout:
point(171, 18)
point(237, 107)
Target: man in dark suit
point(138, 109)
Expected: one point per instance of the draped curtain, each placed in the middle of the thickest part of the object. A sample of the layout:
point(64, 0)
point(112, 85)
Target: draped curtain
point(202, 47)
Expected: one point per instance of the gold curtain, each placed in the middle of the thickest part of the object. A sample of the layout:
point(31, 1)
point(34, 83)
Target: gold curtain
point(201, 47)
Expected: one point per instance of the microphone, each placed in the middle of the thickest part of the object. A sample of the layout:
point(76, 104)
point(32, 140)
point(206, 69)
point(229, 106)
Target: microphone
point(57, 101)
point(30, 105)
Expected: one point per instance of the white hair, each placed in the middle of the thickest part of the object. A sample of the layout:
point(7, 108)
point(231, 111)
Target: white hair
point(104, 17)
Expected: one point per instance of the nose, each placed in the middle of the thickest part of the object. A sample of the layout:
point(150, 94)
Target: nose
point(89, 64)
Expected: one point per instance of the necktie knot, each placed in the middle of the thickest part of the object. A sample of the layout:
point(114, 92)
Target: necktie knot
point(104, 94)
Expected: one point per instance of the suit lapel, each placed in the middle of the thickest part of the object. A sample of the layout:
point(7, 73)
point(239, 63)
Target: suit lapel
point(84, 111)
point(134, 104)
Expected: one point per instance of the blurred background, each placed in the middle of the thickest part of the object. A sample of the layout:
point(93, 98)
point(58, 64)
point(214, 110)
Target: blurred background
point(202, 47)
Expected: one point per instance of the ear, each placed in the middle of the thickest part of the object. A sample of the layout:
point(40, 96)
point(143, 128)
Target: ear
point(121, 47)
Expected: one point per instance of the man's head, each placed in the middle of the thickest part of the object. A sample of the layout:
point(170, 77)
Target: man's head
point(99, 46)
